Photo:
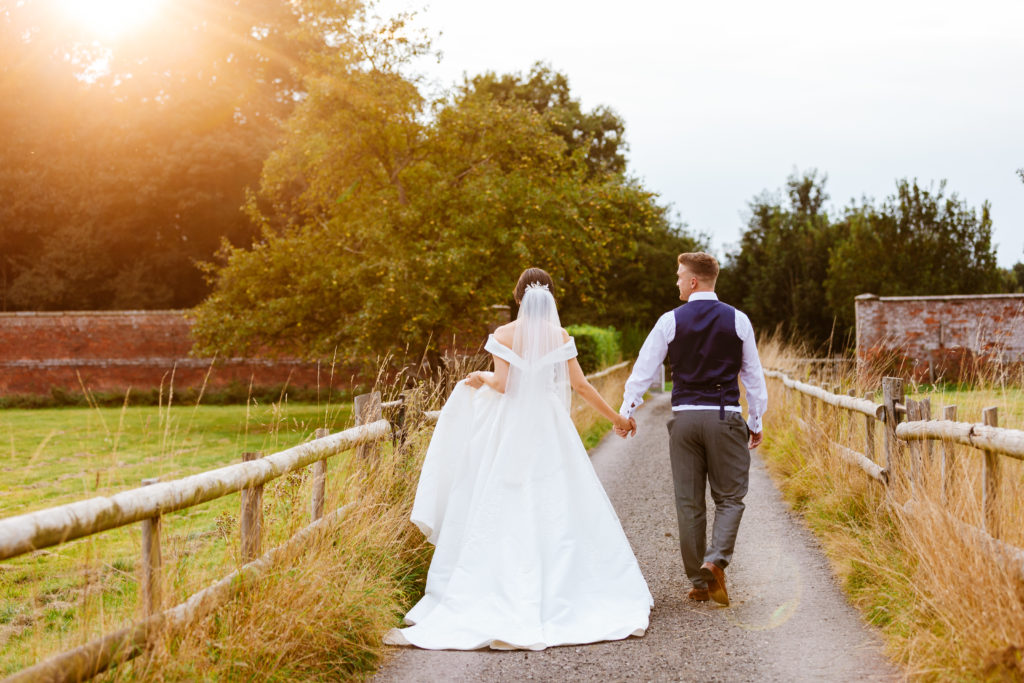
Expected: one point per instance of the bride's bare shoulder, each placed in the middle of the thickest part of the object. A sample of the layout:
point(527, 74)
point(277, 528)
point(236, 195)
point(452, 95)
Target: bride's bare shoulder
point(506, 334)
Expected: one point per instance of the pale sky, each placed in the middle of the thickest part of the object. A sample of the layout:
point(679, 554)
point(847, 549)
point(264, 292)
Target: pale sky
point(723, 100)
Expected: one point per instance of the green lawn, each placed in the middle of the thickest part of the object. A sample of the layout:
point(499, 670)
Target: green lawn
point(58, 455)
point(60, 597)
point(970, 403)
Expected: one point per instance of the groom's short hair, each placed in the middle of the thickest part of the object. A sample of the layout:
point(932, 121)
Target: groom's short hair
point(703, 266)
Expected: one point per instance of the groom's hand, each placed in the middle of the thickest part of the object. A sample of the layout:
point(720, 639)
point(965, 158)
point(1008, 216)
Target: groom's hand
point(755, 439)
point(625, 427)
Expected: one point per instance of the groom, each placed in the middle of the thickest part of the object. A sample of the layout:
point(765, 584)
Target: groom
point(708, 344)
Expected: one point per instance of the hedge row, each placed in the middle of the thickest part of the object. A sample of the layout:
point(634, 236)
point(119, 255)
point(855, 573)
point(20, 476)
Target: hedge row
point(598, 347)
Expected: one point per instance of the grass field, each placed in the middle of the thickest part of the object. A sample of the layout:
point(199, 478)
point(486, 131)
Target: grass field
point(970, 403)
point(64, 596)
point(59, 597)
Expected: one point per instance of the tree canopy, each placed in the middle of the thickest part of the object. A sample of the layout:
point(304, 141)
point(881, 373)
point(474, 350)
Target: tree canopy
point(391, 222)
point(125, 162)
point(799, 269)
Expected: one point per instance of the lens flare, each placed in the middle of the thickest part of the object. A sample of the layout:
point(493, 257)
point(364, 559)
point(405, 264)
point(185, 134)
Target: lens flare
point(110, 18)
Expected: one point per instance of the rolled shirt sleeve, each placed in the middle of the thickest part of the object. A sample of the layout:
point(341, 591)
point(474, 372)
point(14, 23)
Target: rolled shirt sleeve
point(649, 360)
point(751, 374)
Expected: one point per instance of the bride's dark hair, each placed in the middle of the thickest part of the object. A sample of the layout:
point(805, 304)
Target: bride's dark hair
point(532, 276)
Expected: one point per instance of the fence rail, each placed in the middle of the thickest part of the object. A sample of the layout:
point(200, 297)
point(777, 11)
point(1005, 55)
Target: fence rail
point(37, 530)
point(53, 526)
point(914, 437)
point(45, 528)
point(1004, 441)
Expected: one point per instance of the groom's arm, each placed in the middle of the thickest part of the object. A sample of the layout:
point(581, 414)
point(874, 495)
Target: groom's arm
point(645, 370)
point(752, 375)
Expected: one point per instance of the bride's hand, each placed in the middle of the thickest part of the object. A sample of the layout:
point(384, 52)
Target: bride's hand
point(475, 379)
point(625, 426)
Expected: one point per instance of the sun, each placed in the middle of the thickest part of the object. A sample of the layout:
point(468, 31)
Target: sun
point(110, 18)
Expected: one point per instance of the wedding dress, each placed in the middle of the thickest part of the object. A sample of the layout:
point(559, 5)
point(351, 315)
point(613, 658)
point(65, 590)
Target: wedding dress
point(529, 551)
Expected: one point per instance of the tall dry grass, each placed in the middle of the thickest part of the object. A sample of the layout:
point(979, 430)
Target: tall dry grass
point(950, 607)
point(321, 612)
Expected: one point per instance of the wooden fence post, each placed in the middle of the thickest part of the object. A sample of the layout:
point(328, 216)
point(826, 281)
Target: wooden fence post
point(252, 517)
point(990, 478)
point(926, 414)
point(915, 447)
point(948, 455)
point(319, 482)
point(151, 562)
point(367, 409)
point(892, 393)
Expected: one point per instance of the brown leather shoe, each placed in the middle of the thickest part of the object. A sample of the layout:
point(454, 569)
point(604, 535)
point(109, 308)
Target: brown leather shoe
point(715, 578)
point(698, 594)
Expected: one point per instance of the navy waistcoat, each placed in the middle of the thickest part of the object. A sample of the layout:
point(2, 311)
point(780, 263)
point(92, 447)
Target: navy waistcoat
point(706, 355)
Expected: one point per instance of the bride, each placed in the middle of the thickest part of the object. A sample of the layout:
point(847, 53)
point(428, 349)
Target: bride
point(529, 551)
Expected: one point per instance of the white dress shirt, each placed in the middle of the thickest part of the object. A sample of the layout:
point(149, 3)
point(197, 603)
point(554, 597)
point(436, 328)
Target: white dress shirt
point(655, 348)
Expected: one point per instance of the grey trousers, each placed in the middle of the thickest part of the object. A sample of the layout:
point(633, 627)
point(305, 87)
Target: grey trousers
point(705, 449)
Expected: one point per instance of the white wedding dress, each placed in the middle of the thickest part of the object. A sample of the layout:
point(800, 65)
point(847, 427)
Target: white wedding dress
point(529, 551)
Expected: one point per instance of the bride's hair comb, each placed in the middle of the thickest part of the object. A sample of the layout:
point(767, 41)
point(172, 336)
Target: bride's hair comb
point(532, 277)
point(538, 285)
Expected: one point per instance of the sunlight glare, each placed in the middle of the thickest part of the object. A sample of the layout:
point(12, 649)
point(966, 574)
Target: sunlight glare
point(110, 18)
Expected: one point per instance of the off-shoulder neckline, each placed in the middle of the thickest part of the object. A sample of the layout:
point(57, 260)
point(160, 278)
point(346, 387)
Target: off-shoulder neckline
point(491, 337)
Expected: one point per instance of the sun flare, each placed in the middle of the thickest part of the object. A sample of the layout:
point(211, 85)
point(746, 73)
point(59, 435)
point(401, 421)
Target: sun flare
point(110, 18)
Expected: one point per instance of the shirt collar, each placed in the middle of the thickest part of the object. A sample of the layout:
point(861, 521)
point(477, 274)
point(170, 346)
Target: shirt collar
point(703, 296)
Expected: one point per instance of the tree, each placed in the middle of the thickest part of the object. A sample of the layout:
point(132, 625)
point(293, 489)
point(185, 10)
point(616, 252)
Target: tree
point(776, 275)
point(1012, 279)
point(389, 223)
point(599, 133)
point(918, 241)
point(115, 181)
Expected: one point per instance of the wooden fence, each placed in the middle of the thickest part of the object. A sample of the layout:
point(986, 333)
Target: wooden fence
point(147, 505)
point(909, 447)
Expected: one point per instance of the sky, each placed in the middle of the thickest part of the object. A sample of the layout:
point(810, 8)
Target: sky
point(724, 100)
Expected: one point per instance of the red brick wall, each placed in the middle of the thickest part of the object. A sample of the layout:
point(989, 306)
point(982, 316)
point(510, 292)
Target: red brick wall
point(114, 350)
point(930, 334)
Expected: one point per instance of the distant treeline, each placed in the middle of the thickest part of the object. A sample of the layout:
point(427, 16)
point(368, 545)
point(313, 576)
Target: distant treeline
point(798, 268)
point(277, 155)
point(276, 165)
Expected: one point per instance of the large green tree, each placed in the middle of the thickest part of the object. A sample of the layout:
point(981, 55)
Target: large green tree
point(776, 275)
point(798, 269)
point(639, 281)
point(917, 241)
point(600, 133)
point(389, 222)
point(125, 161)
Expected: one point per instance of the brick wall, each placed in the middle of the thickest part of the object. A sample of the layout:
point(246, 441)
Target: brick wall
point(114, 350)
point(931, 336)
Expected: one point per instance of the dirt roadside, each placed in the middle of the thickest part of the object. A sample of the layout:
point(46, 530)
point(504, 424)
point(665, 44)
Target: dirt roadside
point(788, 621)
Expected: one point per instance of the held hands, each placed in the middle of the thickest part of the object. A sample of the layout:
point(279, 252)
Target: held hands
point(755, 439)
point(625, 426)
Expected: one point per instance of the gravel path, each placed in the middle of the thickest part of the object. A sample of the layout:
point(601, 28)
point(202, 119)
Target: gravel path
point(788, 620)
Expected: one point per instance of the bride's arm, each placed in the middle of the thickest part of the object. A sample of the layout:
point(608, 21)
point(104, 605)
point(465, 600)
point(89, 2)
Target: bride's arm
point(589, 394)
point(496, 380)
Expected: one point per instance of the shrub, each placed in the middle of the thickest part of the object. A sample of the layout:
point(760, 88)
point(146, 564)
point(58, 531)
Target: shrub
point(598, 347)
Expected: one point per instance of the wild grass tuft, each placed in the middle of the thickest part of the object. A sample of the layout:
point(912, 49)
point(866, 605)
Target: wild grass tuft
point(950, 608)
